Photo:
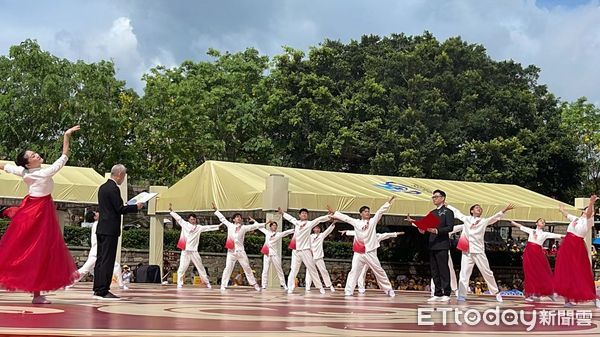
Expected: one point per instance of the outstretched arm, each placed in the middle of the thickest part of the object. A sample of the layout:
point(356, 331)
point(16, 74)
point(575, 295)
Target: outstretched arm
point(384, 208)
point(521, 227)
point(496, 217)
point(329, 229)
point(220, 216)
point(457, 213)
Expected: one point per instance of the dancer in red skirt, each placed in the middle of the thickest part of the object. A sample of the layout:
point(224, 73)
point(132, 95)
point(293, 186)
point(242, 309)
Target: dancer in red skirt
point(573, 275)
point(538, 275)
point(33, 254)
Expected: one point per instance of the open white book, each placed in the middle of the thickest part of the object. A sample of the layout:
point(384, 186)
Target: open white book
point(141, 198)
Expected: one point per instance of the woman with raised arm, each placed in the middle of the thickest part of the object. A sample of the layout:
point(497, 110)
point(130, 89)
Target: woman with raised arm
point(538, 275)
point(33, 253)
point(573, 275)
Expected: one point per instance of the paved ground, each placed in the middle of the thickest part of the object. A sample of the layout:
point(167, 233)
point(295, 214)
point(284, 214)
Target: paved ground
point(155, 310)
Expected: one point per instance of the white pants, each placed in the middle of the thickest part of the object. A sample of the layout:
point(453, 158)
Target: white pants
point(303, 256)
point(320, 264)
point(188, 256)
point(233, 257)
point(88, 267)
point(370, 260)
point(453, 283)
point(276, 261)
point(466, 268)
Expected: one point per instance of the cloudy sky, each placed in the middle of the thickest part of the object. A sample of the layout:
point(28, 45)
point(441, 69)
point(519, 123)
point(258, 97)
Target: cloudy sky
point(560, 37)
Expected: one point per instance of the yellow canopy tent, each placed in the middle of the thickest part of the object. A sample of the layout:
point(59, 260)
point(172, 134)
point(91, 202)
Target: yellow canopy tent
point(239, 187)
point(71, 184)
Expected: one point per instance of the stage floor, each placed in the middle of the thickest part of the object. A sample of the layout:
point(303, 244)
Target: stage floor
point(156, 310)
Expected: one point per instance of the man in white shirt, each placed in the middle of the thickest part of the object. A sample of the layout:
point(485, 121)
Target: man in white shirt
point(365, 247)
point(301, 241)
point(270, 253)
point(236, 233)
point(188, 243)
point(363, 273)
point(473, 251)
point(316, 247)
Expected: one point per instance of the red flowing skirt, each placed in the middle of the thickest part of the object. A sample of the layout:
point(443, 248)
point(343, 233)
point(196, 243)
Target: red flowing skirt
point(573, 277)
point(33, 253)
point(538, 275)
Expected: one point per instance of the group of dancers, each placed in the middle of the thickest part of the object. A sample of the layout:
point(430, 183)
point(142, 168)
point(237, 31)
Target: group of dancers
point(35, 258)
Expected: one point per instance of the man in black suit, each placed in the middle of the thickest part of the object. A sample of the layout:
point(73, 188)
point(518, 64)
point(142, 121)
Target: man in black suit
point(110, 207)
point(439, 245)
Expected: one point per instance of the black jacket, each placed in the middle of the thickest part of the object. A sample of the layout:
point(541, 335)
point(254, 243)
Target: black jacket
point(111, 207)
point(441, 240)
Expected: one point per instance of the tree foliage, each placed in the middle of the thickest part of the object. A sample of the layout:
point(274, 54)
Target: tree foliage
point(395, 105)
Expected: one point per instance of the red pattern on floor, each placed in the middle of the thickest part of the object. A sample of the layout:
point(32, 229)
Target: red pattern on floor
point(156, 310)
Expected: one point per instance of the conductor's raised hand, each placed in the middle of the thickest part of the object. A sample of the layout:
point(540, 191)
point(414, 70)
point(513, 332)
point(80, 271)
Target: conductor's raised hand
point(279, 210)
point(214, 207)
point(170, 207)
point(392, 198)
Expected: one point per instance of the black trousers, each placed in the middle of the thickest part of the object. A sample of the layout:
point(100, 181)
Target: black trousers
point(105, 263)
point(440, 273)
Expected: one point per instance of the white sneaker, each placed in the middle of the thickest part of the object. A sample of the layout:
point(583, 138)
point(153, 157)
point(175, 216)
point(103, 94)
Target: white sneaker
point(322, 291)
point(256, 287)
point(598, 303)
point(346, 293)
point(391, 293)
point(290, 291)
point(285, 288)
point(223, 289)
point(179, 286)
point(499, 298)
point(332, 288)
point(124, 287)
point(444, 299)
point(208, 286)
point(434, 299)
point(361, 290)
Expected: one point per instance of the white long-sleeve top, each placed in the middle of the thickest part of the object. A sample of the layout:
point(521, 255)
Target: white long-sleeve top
point(191, 233)
point(39, 180)
point(538, 236)
point(365, 229)
point(303, 229)
point(474, 228)
point(316, 242)
point(580, 225)
point(237, 233)
point(380, 236)
point(271, 239)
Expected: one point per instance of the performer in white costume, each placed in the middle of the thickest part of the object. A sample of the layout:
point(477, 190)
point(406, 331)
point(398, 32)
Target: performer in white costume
point(270, 253)
point(236, 233)
point(473, 248)
point(301, 242)
point(363, 273)
point(316, 247)
point(365, 247)
point(188, 243)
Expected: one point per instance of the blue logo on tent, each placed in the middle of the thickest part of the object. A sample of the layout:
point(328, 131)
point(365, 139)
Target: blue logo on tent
point(399, 188)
